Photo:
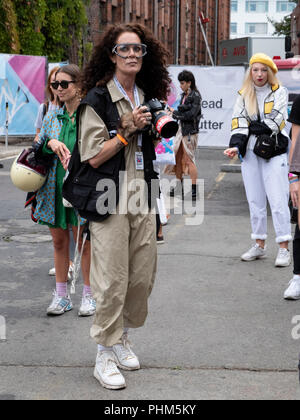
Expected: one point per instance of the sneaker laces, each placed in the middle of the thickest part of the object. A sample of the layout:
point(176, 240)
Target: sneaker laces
point(110, 366)
point(87, 300)
point(56, 299)
point(282, 252)
point(125, 348)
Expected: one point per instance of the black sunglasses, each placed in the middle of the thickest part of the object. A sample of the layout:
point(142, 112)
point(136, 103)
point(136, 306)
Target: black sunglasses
point(64, 84)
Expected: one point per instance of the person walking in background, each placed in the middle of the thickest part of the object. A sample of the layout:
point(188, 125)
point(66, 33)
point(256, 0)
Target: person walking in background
point(51, 103)
point(59, 135)
point(112, 138)
point(185, 144)
point(293, 290)
point(261, 108)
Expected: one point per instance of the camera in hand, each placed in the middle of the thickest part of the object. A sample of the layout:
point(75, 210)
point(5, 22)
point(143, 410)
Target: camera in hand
point(163, 123)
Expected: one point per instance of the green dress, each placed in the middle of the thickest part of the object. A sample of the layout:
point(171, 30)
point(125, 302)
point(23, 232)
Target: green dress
point(64, 216)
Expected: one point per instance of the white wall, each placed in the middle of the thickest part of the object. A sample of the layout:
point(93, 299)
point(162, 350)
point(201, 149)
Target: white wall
point(241, 17)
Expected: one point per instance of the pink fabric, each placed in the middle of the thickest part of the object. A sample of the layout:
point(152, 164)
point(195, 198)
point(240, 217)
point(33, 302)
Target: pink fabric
point(87, 291)
point(62, 289)
point(32, 72)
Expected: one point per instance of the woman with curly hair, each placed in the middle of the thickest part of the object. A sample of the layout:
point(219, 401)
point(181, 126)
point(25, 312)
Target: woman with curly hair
point(127, 68)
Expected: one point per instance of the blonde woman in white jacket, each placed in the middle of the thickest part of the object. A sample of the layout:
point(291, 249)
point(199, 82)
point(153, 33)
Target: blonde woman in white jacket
point(261, 108)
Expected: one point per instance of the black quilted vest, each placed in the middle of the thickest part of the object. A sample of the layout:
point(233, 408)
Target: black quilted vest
point(80, 186)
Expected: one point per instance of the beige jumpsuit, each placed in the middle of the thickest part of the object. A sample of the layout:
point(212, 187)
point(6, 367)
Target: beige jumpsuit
point(123, 246)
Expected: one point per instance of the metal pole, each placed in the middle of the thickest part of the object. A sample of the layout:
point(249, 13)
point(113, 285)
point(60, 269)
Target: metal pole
point(216, 30)
point(6, 125)
point(206, 43)
point(177, 32)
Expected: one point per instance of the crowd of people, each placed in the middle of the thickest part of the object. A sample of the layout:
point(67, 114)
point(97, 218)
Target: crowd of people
point(95, 124)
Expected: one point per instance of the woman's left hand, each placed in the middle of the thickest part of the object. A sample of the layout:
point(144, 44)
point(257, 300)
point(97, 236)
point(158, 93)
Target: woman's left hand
point(141, 117)
point(65, 162)
point(60, 149)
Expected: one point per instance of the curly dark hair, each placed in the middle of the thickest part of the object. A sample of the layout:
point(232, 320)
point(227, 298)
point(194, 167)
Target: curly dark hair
point(153, 78)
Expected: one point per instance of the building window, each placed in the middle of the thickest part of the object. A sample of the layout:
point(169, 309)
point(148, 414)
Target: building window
point(256, 28)
point(233, 28)
point(234, 6)
point(257, 6)
point(285, 6)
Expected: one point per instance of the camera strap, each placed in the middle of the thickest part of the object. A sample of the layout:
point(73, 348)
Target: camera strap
point(136, 99)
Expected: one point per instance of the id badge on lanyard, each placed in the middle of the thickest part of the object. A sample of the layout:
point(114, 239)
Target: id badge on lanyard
point(139, 161)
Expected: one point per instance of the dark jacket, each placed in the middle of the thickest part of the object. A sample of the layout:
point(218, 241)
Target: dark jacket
point(80, 188)
point(189, 113)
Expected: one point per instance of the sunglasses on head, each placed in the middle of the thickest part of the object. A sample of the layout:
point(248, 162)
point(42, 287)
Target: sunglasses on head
point(64, 84)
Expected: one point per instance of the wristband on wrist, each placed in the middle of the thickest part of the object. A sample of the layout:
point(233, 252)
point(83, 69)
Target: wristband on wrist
point(294, 180)
point(122, 140)
point(291, 175)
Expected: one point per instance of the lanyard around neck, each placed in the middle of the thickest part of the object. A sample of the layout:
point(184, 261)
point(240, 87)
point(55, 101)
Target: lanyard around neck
point(122, 90)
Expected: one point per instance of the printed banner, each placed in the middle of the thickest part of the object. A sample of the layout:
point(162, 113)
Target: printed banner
point(164, 152)
point(218, 87)
point(22, 86)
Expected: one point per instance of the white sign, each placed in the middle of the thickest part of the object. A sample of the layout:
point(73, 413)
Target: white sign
point(219, 89)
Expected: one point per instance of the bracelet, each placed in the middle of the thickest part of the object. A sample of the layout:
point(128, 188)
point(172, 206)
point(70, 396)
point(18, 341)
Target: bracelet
point(291, 175)
point(125, 142)
point(294, 180)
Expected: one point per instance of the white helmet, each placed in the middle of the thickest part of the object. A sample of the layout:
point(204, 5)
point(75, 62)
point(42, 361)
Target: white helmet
point(26, 174)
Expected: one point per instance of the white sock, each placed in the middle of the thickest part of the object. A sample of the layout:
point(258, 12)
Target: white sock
point(296, 277)
point(103, 348)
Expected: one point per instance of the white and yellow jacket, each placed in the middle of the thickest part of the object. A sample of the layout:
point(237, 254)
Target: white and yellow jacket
point(275, 116)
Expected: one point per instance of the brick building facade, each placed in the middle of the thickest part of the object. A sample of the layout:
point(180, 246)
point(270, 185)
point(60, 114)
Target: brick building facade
point(174, 22)
point(295, 30)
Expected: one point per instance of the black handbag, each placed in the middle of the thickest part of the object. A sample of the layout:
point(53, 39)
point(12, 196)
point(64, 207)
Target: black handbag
point(266, 146)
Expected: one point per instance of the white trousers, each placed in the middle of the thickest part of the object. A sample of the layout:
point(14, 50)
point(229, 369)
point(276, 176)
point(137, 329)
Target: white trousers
point(267, 179)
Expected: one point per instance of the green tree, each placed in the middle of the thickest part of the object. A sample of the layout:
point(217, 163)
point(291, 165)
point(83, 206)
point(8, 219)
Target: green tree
point(30, 20)
point(282, 27)
point(65, 22)
point(9, 37)
point(54, 28)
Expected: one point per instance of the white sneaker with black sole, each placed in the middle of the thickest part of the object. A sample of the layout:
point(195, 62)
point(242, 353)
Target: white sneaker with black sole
point(107, 372)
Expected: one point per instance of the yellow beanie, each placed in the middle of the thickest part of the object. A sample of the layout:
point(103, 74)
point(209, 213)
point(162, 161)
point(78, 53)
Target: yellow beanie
point(264, 59)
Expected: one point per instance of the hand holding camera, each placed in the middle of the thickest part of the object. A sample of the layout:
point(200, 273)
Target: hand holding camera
point(160, 118)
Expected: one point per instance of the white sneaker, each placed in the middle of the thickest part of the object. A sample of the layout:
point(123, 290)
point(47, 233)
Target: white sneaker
point(106, 371)
point(254, 253)
point(125, 357)
point(87, 307)
point(283, 258)
point(71, 269)
point(293, 291)
point(59, 305)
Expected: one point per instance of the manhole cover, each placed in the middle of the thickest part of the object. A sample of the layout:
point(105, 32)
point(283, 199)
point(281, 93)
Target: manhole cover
point(31, 237)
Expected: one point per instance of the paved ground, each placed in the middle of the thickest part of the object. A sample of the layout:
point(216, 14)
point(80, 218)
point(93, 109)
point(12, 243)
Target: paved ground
point(218, 328)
